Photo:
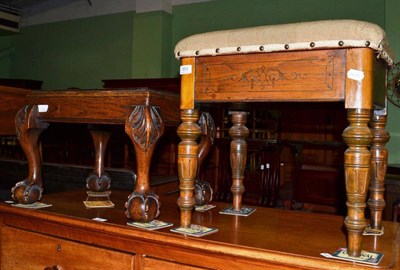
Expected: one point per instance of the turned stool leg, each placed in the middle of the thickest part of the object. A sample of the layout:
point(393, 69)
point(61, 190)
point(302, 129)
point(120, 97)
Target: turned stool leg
point(238, 132)
point(357, 159)
point(379, 153)
point(28, 128)
point(98, 180)
point(144, 127)
point(188, 151)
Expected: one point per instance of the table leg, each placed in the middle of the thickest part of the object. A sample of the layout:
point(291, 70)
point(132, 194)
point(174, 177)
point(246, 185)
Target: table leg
point(203, 189)
point(144, 127)
point(238, 153)
point(357, 159)
point(376, 201)
point(28, 128)
point(98, 180)
point(188, 151)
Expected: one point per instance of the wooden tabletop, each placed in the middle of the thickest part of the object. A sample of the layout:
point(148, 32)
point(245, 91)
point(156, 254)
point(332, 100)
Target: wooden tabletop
point(100, 106)
point(292, 237)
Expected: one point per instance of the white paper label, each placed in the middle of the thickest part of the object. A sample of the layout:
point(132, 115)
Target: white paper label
point(186, 69)
point(356, 75)
point(99, 219)
point(43, 108)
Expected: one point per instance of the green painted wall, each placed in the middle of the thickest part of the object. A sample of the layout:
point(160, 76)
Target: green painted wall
point(392, 27)
point(151, 43)
point(78, 53)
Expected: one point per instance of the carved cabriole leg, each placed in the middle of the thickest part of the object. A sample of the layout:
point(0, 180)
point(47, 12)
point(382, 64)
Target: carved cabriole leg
point(144, 127)
point(357, 159)
point(238, 153)
point(98, 180)
point(203, 190)
point(28, 128)
point(188, 151)
point(379, 155)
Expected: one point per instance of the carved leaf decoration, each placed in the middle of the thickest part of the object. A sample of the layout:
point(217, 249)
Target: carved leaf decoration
point(27, 118)
point(147, 126)
point(20, 119)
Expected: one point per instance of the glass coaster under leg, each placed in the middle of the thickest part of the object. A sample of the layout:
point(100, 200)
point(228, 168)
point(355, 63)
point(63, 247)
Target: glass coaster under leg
point(243, 211)
point(194, 230)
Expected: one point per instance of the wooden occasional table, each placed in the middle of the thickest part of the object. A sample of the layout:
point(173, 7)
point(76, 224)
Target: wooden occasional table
point(140, 110)
point(339, 60)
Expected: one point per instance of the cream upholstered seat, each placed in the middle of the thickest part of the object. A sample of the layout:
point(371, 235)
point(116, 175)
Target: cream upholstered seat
point(293, 36)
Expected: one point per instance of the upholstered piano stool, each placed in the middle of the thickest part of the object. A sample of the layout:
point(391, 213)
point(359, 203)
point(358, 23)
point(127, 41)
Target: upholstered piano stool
point(323, 61)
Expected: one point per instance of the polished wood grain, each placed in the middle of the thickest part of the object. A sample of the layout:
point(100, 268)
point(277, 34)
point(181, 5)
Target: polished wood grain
point(101, 106)
point(143, 112)
point(98, 180)
point(11, 101)
point(266, 77)
point(144, 127)
point(302, 76)
point(268, 239)
point(188, 151)
point(56, 252)
point(379, 153)
point(238, 154)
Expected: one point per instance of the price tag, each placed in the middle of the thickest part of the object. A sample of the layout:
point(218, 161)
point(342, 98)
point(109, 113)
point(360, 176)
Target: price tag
point(43, 108)
point(356, 75)
point(186, 69)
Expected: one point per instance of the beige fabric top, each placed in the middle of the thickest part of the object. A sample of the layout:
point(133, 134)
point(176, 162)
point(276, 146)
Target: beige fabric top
point(293, 36)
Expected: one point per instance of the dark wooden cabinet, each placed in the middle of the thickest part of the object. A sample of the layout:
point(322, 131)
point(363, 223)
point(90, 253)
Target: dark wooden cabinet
point(56, 252)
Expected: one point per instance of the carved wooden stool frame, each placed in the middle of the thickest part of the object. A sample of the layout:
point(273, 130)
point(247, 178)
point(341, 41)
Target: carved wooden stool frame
point(317, 76)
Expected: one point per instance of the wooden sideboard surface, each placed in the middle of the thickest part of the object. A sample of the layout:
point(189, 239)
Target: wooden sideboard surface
point(64, 235)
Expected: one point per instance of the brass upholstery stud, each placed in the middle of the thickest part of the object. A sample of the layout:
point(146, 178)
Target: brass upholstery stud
point(367, 43)
point(312, 44)
point(217, 50)
point(238, 49)
point(287, 47)
point(341, 43)
point(197, 52)
point(261, 48)
point(179, 53)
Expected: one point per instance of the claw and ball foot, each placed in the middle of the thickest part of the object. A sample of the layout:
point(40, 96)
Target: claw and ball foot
point(25, 193)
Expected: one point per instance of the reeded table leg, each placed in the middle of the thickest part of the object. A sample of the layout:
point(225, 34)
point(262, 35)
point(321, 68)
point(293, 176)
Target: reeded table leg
point(188, 151)
point(357, 159)
point(28, 128)
point(144, 127)
point(98, 180)
point(376, 201)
